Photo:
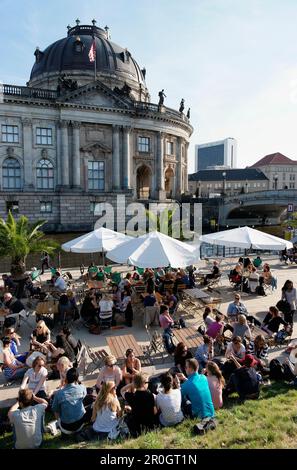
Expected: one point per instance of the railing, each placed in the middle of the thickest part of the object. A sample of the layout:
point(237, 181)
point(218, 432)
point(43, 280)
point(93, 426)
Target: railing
point(27, 92)
point(155, 108)
point(266, 194)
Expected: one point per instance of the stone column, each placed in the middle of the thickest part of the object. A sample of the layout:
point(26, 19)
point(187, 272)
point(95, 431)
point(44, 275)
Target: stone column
point(28, 150)
point(160, 166)
point(126, 158)
point(76, 155)
point(64, 154)
point(116, 174)
point(186, 186)
point(178, 170)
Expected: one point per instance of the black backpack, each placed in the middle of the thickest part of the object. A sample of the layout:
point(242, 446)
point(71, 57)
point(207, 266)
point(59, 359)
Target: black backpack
point(260, 290)
point(276, 370)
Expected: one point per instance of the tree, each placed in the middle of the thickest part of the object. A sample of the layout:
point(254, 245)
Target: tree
point(167, 223)
point(292, 222)
point(19, 238)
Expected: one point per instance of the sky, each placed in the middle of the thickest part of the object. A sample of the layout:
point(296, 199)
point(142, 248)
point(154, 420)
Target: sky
point(233, 61)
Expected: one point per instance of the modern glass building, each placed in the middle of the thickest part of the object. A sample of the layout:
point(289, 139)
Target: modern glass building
point(222, 153)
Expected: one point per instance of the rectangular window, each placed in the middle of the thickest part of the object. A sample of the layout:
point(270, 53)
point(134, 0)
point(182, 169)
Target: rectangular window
point(170, 148)
point(284, 176)
point(46, 206)
point(44, 136)
point(12, 206)
point(292, 185)
point(10, 133)
point(96, 176)
point(143, 144)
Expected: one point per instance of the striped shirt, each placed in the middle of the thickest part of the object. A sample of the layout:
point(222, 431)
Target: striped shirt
point(260, 353)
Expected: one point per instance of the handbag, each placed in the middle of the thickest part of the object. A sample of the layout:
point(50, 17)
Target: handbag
point(120, 430)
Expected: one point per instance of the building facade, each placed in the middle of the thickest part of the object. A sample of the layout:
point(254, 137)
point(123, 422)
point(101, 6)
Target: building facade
point(82, 132)
point(220, 153)
point(216, 183)
point(279, 169)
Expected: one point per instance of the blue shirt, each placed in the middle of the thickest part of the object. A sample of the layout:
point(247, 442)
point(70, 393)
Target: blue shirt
point(196, 390)
point(13, 347)
point(202, 353)
point(236, 309)
point(68, 403)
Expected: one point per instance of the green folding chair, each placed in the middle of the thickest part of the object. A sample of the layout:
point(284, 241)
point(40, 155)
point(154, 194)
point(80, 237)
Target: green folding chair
point(35, 274)
point(53, 271)
point(116, 277)
point(107, 269)
point(93, 270)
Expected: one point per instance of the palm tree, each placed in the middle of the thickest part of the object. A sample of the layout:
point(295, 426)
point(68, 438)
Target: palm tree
point(18, 238)
point(167, 223)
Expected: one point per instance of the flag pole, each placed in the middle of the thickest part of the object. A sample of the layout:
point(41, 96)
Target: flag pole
point(95, 61)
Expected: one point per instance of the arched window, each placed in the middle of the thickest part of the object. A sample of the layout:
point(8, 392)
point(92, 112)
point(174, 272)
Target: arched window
point(45, 174)
point(11, 174)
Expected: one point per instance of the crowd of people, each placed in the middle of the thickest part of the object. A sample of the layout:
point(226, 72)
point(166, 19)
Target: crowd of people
point(125, 399)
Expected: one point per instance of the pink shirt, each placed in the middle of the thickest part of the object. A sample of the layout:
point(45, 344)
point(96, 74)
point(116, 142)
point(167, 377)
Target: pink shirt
point(216, 391)
point(165, 321)
point(214, 329)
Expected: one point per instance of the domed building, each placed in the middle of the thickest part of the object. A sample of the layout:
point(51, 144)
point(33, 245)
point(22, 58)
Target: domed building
point(83, 131)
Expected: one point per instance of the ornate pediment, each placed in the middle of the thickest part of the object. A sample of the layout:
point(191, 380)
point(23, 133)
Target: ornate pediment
point(97, 94)
point(95, 148)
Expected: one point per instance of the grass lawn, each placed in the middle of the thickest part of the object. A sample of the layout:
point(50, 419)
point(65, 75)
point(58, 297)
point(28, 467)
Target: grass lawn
point(270, 422)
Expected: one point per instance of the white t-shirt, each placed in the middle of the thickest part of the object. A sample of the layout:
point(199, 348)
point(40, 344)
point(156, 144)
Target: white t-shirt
point(170, 406)
point(239, 355)
point(28, 424)
point(60, 283)
point(35, 378)
point(106, 420)
point(106, 305)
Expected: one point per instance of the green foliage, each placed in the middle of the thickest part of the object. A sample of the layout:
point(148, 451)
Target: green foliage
point(291, 222)
point(18, 238)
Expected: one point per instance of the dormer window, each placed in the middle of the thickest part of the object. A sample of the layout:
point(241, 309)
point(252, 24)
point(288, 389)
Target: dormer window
point(78, 45)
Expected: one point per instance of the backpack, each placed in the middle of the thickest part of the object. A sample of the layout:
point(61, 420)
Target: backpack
point(260, 290)
point(207, 424)
point(276, 370)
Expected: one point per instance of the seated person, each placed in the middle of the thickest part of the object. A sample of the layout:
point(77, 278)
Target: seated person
point(68, 404)
point(106, 308)
point(126, 307)
point(272, 321)
point(181, 354)
point(15, 344)
point(116, 297)
point(235, 275)
point(151, 309)
point(237, 307)
point(259, 350)
point(167, 323)
point(216, 328)
point(169, 401)
point(126, 283)
point(215, 272)
point(167, 283)
point(131, 367)
point(41, 340)
point(244, 380)
point(8, 282)
point(59, 282)
point(171, 301)
point(65, 308)
point(27, 418)
point(207, 318)
point(204, 352)
point(35, 377)
point(197, 401)
point(216, 383)
point(141, 407)
point(292, 366)
point(66, 341)
point(109, 373)
point(106, 410)
point(90, 308)
point(257, 262)
point(63, 365)
point(185, 278)
point(150, 283)
point(12, 306)
point(234, 349)
point(266, 276)
point(241, 328)
point(12, 368)
point(253, 280)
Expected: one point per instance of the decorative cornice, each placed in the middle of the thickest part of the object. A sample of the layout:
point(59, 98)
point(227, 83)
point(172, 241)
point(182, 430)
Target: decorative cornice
point(27, 122)
point(75, 124)
point(96, 146)
point(63, 124)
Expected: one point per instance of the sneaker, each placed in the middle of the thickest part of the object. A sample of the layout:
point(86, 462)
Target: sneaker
point(53, 428)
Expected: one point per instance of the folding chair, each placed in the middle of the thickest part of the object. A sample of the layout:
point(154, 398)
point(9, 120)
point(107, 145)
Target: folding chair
point(97, 358)
point(156, 346)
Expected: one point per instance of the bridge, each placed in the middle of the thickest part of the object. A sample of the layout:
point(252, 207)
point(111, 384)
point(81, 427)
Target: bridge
point(257, 208)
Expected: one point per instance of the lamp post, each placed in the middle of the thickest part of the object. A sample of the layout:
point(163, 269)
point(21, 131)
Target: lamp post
point(224, 182)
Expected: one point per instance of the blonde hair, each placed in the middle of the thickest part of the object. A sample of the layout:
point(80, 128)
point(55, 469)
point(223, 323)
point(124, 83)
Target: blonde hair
point(45, 330)
point(139, 380)
point(110, 360)
point(64, 362)
point(105, 398)
point(242, 320)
